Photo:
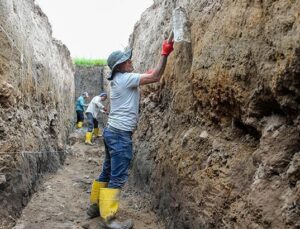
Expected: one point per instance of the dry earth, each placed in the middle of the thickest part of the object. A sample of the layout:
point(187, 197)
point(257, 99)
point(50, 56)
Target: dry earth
point(62, 199)
point(218, 142)
point(218, 137)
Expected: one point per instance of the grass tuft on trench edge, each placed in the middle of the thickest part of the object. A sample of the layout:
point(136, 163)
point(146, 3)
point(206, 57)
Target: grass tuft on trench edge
point(89, 62)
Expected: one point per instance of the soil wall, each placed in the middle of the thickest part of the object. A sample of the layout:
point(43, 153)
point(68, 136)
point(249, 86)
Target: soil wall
point(36, 80)
point(218, 138)
point(90, 79)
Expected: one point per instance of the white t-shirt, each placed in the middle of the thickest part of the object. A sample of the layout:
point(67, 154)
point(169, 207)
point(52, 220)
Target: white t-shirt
point(124, 101)
point(95, 106)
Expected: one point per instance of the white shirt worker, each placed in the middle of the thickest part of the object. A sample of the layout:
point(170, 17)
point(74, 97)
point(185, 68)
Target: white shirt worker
point(95, 106)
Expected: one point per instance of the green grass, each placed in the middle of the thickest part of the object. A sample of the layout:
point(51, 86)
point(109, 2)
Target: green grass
point(89, 62)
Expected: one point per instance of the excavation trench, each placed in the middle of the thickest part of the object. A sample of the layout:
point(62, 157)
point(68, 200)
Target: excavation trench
point(217, 143)
point(62, 198)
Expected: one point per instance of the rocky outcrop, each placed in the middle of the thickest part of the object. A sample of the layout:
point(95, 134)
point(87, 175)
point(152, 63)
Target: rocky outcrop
point(36, 80)
point(218, 139)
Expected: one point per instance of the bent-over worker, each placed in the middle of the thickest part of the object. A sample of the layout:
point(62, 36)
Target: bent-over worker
point(95, 106)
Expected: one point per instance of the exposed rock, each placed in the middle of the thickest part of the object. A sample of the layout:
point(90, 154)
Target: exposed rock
point(293, 171)
point(2, 179)
point(204, 134)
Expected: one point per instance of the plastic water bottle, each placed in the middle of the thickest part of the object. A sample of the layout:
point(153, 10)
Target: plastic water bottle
point(180, 25)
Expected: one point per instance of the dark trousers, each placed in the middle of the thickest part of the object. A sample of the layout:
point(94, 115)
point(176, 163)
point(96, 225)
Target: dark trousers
point(80, 116)
point(92, 122)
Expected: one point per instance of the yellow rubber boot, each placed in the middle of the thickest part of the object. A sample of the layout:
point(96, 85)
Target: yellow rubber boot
point(109, 204)
point(88, 138)
point(96, 185)
point(93, 210)
point(79, 125)
point(97, 132)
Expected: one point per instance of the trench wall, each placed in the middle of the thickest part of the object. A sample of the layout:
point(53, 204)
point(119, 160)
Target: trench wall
point(217, 143)
point(90, 79)
point(36, 109)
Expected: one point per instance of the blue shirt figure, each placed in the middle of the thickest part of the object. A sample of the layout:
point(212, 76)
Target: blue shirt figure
point(80, 104)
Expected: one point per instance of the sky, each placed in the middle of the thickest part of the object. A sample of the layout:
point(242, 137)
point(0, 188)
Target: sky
point(93, 28)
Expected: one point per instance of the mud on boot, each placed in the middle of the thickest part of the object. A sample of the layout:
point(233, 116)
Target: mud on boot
point(93, 211)
point(97, 133)
point(88, 138)
point(115, 224)
point(109, 205)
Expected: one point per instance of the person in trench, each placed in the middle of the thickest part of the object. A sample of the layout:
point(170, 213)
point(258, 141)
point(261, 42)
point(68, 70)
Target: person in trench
point(117, 135)
point(94, 107)
point(80, 105)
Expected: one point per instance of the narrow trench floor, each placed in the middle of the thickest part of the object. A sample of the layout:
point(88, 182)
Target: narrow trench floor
point(62, 199)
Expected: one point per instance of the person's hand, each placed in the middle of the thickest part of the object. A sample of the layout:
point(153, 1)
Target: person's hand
point(150, 71)
point(105, 111)
point(167, 48)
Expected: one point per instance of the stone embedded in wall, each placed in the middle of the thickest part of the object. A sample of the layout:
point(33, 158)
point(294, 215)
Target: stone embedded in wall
point(8, 95)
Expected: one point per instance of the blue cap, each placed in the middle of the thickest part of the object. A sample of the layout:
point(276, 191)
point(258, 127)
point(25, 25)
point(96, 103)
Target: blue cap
point(116, 58)
point(103, 94)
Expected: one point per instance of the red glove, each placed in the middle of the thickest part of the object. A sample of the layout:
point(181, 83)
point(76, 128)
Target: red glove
point(167, 48)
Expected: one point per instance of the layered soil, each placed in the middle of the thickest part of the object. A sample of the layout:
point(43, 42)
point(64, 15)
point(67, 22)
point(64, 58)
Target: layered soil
point(36, 109)
point(218, 138)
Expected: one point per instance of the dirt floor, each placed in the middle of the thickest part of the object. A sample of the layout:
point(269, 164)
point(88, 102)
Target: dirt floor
point(63, 198)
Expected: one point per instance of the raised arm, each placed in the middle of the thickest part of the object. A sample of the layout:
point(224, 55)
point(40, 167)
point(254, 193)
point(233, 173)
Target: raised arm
point(155, 74)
